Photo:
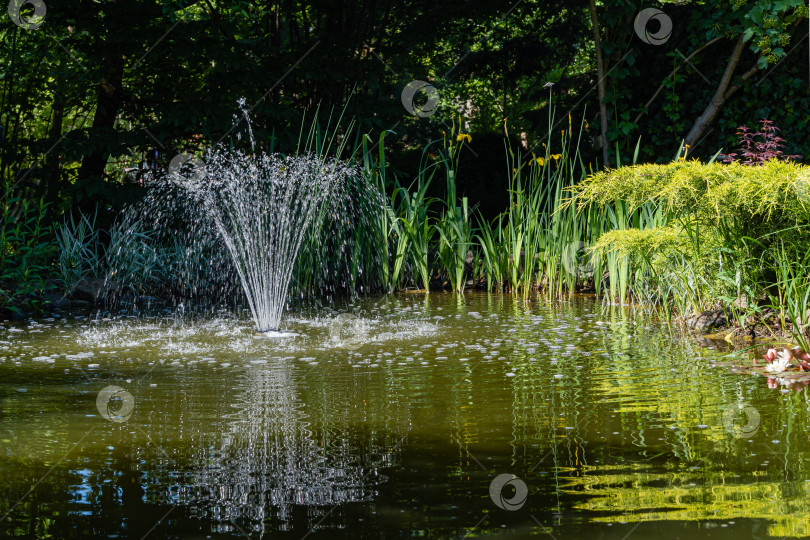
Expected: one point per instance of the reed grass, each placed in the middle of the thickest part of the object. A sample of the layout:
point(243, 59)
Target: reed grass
point(672, 240)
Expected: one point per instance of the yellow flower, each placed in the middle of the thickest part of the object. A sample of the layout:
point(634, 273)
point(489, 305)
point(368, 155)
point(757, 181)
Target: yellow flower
point(556, 156)
point(540, 161)
point(462, 136)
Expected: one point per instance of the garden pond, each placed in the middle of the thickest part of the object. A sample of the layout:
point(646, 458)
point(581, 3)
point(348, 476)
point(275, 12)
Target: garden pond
point(440, 415)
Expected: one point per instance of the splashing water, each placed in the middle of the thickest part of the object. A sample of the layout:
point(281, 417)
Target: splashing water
point(262, 207)
point(272, 225)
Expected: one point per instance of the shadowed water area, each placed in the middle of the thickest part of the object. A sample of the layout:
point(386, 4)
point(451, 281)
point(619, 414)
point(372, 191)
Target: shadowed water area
point(393, 421)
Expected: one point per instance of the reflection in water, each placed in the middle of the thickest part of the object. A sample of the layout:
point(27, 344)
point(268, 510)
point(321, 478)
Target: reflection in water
point(609, 419)
point(643, 493)
point(273, 454)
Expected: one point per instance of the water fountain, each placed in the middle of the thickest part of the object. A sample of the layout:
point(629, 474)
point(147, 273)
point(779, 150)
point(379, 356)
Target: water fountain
point(261, 207)
point(270, 224)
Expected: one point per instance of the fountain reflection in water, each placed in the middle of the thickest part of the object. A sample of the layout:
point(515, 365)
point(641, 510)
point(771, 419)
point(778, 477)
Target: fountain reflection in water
point(273, 457)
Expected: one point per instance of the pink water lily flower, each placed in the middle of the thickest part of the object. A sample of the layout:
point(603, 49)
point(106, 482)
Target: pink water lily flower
point(780, 363)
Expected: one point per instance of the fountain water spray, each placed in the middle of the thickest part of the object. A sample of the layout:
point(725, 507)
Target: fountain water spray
point(271, 224)
point(262, 207)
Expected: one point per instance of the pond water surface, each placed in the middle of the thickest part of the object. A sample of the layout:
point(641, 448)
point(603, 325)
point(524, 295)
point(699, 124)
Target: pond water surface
point(438, 416)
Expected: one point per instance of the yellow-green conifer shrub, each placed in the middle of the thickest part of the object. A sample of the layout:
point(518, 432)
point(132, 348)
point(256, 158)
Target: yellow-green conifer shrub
point(778, 191)
point(722, 225)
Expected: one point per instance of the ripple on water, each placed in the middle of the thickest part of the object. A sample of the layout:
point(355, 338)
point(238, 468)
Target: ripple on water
point(619, 414)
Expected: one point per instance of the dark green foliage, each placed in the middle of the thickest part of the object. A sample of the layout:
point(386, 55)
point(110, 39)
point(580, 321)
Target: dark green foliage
point(26, 252)
point(100, 90)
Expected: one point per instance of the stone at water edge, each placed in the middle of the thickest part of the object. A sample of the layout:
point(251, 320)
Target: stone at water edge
point(706, 320)
point(94, 289)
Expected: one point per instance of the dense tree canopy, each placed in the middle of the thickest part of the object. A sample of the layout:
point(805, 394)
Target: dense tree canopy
point(104, 86)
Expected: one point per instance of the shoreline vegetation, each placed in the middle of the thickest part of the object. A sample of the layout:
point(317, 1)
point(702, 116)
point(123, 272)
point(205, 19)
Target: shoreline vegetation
point(709, 246)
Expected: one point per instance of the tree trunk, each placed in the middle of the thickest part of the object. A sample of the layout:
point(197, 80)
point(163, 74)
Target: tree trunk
point(671, 74)
point(720, 96)
point(600, 72)
point(108, 103)
point(54, 166)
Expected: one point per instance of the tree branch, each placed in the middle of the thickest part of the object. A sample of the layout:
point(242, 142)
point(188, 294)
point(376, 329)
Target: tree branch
point(704, 120)
point(600, 83)
point(673, 72)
